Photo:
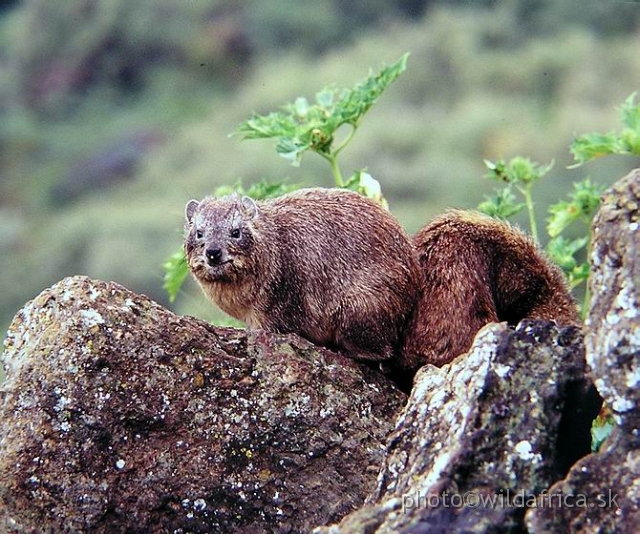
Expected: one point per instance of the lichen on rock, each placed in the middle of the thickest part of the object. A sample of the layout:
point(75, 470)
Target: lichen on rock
point(119, 416)
point(481, 432)
point(613, 324)
point(608, 481)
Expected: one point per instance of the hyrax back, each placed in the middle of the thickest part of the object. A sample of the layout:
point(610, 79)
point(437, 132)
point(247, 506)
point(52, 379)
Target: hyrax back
point(327, 264)
point(478, 270)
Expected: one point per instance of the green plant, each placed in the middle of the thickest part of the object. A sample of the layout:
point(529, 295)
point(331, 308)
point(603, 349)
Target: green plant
point(581, 206)
point(590, 146)
point(586, 148)
point(520, 174)
point(601, 428)
point(303, 127)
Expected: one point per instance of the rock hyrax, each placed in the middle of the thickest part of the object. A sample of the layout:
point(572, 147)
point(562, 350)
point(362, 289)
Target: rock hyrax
point(478, 270)
point(327, 264)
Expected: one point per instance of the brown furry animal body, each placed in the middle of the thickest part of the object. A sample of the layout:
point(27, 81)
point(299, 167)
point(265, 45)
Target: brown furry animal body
point(327, 264)
point(478, 270)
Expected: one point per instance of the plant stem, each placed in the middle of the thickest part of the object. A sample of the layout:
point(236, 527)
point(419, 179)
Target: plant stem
point(335, 168)
point(528, 199)
point(333, 156)
point(346, 140)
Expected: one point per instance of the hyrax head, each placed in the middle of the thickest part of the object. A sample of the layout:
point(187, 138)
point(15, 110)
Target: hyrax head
point(219, 237)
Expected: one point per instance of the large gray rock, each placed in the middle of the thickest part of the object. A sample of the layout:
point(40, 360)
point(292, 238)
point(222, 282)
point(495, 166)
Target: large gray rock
point(119, 416)
point(482, 436)
point(608, 481)
point(613, 324)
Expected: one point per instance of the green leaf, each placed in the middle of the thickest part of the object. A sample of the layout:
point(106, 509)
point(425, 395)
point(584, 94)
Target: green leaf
point(562, 251)
point(497, 170)
point(501, 206)
point(275, 124)
point(599, 435)
point(176, 271)
point(629, 142)
point(518, 170)
point(586, 197)
point(258, 190)
point(265, 189)
point(526, 171)
point(601, 428)
point(631, 113)
point(354, 103)
point(225, 190)
point(291, 149)
point(588, 147)
point(302, 126)
point(563, 214)
point(594, 145)
point(583, 202)
point(579, 274)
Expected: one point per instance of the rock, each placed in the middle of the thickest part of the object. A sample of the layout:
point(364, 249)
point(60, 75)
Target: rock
point(613, 325)
point(608, 481)
point(119, 416)
point(600, 494)
point(482, 436)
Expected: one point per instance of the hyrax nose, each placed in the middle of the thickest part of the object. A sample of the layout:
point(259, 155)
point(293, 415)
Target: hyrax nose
point(214, 255)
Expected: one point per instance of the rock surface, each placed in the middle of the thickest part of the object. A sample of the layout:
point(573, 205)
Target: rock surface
point(609, 480)
point(613, 324)
point(480, 437)
point(119, 416)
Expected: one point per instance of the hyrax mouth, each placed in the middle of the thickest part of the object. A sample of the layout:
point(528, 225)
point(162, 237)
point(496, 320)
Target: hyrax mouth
point(218, 271)
point(209, 271)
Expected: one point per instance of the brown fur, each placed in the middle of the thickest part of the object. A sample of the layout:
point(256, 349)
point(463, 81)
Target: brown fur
point(327, 264)
point(478, 270)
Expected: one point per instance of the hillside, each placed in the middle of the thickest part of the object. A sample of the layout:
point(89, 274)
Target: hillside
point(113, 114)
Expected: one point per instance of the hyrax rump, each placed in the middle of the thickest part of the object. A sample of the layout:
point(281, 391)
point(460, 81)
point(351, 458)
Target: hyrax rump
point(327, 264)
point(478, 270)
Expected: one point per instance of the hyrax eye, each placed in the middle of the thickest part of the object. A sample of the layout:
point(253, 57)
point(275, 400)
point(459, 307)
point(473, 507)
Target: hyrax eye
point(199, 234)
point(235, 233)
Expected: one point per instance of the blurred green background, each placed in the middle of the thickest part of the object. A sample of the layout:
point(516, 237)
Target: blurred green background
point(114, 113)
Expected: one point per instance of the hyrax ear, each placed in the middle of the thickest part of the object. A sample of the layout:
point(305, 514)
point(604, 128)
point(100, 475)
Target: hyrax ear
point(250, 207)
point(190, 209)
